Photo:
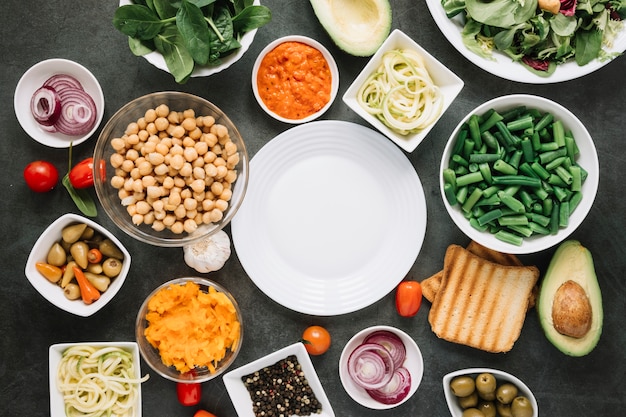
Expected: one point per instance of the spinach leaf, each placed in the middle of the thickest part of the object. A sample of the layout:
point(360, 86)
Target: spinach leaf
point(222, 32)
point(164, 8)
point(178, 60)
point(563, 25)
point(137, 21)
point(193, 30)
point(81, 198)
point(239, 5)
point(588, 45)
point(251, 17)
point(139, 47)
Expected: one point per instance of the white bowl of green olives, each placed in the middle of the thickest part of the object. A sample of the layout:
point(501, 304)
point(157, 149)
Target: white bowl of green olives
point(68, 243)
point(485, 392)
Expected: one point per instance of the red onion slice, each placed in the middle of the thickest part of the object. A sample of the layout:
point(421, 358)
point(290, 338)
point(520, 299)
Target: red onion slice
point(45, 105)
point(78, 113)
point(396, 390)
point(391, 342)
point(61, 81)
point(370, 366)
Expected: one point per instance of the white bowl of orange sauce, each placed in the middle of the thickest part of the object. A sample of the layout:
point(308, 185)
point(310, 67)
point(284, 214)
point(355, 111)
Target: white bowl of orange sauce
point(295, 79)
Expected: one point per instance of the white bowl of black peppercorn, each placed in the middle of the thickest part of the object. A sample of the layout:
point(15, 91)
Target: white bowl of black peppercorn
point(291, 366)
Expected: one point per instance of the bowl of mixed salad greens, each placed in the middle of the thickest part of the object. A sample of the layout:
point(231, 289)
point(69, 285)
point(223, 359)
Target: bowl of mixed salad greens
point(534, 41)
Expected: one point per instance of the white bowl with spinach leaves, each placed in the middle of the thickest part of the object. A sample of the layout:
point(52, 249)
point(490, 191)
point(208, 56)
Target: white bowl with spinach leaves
point(193, 38)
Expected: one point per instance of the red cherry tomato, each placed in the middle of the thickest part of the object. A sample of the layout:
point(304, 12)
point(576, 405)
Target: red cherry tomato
point(188, 393)
point(316, 340)
point(203, 413)
point(408, 298)
point(81, 175)
point(41, 176)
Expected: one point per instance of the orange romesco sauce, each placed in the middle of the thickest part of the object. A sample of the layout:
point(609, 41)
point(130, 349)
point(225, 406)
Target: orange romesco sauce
point(294, 80)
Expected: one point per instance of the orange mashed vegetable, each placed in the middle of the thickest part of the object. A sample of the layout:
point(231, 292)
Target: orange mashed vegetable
point(294, 80)
point(191, 328)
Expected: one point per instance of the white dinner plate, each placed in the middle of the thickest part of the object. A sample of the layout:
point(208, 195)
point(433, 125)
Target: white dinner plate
point(333, 219)
point(503, 66)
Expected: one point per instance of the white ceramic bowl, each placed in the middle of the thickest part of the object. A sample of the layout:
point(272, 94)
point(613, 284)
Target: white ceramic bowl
point(501, 377)
point(53, 292)
point(588, 159)
point(155, 58)
point(57, 405)
point(34, 78)
point(331, 64)
point(449, 84)
point(413, 362)
point(239, 393)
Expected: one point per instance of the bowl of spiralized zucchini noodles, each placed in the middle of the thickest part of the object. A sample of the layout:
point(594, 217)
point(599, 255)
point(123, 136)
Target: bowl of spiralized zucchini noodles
point(95, 378)
point(403, 91)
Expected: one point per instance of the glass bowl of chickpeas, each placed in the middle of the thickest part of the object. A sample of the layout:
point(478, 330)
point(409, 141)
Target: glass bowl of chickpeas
point(171, 168)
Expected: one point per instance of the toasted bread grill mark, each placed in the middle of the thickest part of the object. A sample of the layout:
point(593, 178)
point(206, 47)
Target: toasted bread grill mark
point(480, 303)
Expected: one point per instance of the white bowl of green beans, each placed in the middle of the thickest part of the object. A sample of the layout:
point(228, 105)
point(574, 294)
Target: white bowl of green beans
point(519, 174)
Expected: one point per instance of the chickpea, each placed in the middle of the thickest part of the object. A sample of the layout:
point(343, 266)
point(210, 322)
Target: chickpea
point(162, 110)
point(150, 115)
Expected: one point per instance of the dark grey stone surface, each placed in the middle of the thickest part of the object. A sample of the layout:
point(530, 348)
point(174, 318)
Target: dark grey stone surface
point(31, 31)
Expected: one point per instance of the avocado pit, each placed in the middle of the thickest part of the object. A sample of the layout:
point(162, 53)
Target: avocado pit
point(571, 310)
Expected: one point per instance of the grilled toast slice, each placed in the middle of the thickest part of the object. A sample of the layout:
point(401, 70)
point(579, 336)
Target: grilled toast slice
point(480, 303)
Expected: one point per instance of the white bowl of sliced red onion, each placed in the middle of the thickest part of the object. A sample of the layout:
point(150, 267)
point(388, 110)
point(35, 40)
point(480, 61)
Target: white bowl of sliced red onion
point(59, 102)
point(381, 367)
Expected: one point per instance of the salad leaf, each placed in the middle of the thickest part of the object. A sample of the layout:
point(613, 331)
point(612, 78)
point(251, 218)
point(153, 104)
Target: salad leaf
point(501, 13)
point(193, 30)
point(588, 45)
point(177, 58)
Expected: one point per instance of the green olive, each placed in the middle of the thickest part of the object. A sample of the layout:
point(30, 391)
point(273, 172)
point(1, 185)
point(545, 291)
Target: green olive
point(462, 386)
point(79, 250)
point(470, 401)
point(112, 267)
point(504, 410)
point(486, 386)
point(506, 393)
point(488, 408)
point(56, 255)
point(72, 233)
point(472, 412)
point(521, 407)
point(109, 249)
point(71, 291)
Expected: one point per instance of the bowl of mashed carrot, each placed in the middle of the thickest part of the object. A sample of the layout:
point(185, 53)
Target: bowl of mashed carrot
point(295, 79)
point(189, 329)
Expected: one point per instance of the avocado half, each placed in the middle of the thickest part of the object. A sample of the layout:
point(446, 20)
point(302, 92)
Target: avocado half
point(358, 27)
point(571, 267)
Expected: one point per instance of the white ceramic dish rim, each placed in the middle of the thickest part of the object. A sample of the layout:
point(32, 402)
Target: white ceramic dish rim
point(34, 78)
point(57, 408)
point(52, 292)
point(451, 399)
point(331, 64)
point(537, 243)
point(449, 83)
point(157, 60)
point(414, 363)
point(241, 398)
point(503, 66)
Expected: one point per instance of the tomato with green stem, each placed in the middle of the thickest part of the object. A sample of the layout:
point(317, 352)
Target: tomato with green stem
point(408, 298)
point(41, 176)
point(316, 340)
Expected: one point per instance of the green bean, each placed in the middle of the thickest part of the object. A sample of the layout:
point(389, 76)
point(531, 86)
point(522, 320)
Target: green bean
point(525, 231)
point(520, 123)
point(526, 169)
point(554, 219)
point(485, 170)
point(474, 223)
point(547, 205)
point(468, 147)
point(504, 167)
point(517, 180)
point(461, 194)
point(544, 121)
point(515, 159)
point(528, 151)
point(557, 162)
point(537, 228)
point(574, 200)
point(449, 176)
point(489, 217)
point(512, 202)
point(474, 130)
point(564, 214)
point(472, 199)
point(558, 132)
point(539, 219)
point(513, 220)
point(492, 200)
point(526, 199)
point(548, 146)
point(490, 140)
point(540, 170)
point(490, 121)
point(483, 157)
point(548, 156)
point(470, 178)
point(448, 190)
point(509, 237)
point(564, 174)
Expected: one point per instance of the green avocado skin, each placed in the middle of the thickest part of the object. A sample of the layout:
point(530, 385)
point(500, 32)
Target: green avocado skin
point(571, 261)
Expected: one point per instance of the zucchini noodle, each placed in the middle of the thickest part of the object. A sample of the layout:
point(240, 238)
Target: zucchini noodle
point(98, 382)
point(401, 93)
